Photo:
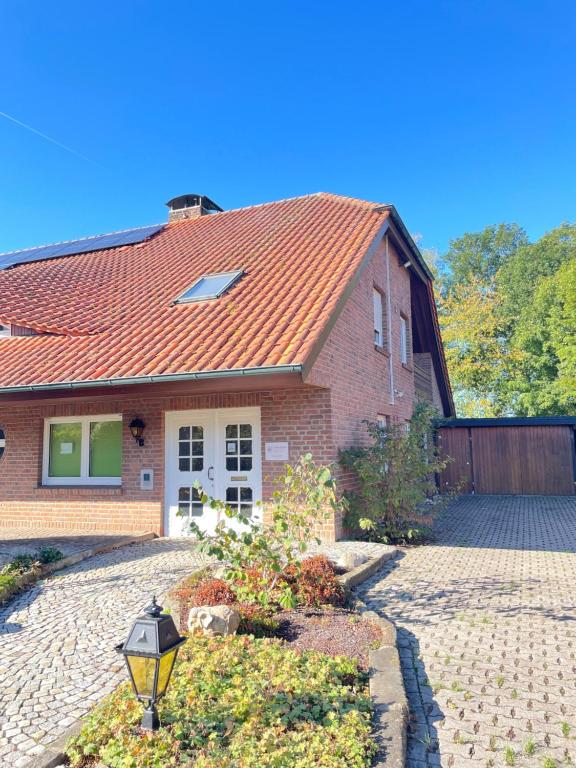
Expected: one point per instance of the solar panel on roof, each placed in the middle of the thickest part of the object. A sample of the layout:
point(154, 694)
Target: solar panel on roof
point(73, 247)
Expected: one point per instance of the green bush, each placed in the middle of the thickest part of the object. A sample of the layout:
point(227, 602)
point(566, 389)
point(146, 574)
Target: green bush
point(396, 474)
point(47, 555)
point(235, 702)
point(21, 564)
point(7, 582)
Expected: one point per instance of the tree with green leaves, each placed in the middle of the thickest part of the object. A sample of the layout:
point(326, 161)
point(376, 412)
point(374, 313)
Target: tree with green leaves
point(479, 255)
point(508, 323)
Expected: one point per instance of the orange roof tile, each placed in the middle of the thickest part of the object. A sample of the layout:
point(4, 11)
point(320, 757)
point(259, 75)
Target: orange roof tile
point(111, 313)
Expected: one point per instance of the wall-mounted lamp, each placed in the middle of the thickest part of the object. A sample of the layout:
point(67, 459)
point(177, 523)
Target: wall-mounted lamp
point(137, 428)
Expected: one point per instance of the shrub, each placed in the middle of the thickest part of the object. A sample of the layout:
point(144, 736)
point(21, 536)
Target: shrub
point(212, 592)
point(255, 620)
point(7, 582)
point(395, 476)
point(184, 591)
point(21, 564)
point(315, 582)
point(239, 701)
point(255, 555)
point(47, 555)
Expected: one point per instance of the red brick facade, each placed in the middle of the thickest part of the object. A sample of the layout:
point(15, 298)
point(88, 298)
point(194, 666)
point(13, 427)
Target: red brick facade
point(350, 381)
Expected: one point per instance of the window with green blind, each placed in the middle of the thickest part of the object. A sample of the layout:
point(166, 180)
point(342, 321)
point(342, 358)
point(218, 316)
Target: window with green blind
point(83, 451)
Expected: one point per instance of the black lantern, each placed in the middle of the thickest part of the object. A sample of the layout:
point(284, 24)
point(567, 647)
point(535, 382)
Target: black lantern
point(150, 652)
point(137, 427)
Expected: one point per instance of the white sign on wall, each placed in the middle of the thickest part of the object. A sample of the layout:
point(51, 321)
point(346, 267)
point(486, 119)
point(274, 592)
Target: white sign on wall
point(276, 451)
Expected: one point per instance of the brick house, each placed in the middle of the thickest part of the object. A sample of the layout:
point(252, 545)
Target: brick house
point(216, 347)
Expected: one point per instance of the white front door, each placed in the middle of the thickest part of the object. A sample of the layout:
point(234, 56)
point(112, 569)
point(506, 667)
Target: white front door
point(221, 449)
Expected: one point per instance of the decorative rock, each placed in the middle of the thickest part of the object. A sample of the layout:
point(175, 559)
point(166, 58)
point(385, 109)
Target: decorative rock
point(214, 620)
point(351, 560)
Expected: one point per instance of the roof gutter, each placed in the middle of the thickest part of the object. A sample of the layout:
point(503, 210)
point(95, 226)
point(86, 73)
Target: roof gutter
point(158, 379)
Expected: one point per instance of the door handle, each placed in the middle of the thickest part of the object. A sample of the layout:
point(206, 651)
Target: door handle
point(210, 473)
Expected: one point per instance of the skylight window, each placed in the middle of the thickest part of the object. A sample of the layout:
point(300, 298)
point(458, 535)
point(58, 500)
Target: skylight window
point(210, 286)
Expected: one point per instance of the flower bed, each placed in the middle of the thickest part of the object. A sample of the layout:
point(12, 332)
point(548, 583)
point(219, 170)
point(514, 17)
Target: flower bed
point(239, 702)
point(25, 569)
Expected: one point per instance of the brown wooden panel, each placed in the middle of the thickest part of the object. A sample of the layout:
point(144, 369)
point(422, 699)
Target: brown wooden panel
point(546, 460)
point(510, 459)
point(454, 443)
point(494, 452)
point(523, 460)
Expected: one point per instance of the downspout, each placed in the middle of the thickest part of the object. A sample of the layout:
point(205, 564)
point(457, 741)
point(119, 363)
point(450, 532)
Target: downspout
point(389, 324)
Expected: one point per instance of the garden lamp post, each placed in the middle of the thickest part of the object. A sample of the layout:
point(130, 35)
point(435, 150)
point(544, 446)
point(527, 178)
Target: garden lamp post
point(150, 652)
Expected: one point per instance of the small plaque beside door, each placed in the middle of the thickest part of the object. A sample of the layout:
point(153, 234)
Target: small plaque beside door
point(276, 451)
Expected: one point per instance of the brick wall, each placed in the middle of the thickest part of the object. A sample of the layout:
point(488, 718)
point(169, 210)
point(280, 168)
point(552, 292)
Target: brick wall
point(359, 373)
point(300, 416)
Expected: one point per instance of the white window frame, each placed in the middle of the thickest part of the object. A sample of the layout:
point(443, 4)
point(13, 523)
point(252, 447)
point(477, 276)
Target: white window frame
point(232, 277)
point(84, 477)
point(5, 329)
point(378, 310)
point(404, 334)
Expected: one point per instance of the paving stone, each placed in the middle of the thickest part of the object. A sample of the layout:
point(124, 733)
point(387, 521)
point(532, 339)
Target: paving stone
point(77, 619)
point(486, 615)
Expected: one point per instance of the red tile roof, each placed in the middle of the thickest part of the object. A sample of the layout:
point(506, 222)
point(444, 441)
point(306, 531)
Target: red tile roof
point(111, 314)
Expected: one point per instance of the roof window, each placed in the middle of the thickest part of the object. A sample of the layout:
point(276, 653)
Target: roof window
point(210, 286)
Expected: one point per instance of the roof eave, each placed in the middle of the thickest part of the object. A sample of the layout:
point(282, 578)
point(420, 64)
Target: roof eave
point(154, 379)
point(395, 216)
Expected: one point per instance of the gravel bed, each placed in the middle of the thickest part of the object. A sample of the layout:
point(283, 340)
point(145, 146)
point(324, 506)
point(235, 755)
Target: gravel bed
point(336, 631)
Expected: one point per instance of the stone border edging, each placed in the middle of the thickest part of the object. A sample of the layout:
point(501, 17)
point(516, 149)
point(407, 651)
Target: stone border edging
point(391, 711)
point(27, 579)
point(390, 717)
point(364, 571)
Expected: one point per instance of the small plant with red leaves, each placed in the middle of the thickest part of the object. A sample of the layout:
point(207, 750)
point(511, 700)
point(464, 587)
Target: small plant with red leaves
point(315, 583)
point(212, 592)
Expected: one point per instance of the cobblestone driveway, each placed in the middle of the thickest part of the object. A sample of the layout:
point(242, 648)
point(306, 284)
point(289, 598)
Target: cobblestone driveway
point(57, 640)
point(486, 623)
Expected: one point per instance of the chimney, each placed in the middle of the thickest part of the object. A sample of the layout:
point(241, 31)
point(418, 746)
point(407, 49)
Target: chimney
point(191, 206)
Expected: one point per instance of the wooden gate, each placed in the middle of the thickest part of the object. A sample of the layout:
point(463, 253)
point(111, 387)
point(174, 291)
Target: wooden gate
point(509, 456)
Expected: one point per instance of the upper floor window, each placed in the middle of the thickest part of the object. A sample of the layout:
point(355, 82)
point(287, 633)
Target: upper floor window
point(83, 450)
point(404, 340)
point(5, 330)
point(377, 299)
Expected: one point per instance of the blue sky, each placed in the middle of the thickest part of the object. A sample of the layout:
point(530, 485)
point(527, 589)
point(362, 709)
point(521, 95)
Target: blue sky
point(461, 113)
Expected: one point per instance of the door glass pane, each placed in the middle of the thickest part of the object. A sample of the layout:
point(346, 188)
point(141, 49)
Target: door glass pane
point(191, 444)
point(65, 448)
point(240, 499)
point(105, 448)
point(197, 506)
point(190, 502)
point(239, 452)
point(184, 501)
